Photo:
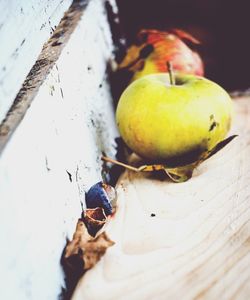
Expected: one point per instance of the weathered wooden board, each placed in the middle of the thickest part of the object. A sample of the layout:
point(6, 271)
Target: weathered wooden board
point(24, 28)
point(197, 246)
point(53, 155)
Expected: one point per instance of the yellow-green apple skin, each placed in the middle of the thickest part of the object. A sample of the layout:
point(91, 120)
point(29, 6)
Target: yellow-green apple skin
point(173, 124)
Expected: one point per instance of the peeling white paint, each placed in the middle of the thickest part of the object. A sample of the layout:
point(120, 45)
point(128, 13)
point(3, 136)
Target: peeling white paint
point(69, 123)
point(24, 27)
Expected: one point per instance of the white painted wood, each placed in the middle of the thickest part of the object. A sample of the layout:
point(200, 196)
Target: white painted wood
point(24, 28)
point(69, 123)
point(198, 244)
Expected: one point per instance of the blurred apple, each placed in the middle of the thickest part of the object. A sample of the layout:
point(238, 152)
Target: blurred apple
point(154, 48)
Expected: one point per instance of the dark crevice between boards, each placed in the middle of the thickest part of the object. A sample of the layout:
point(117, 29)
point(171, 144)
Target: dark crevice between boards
point(117, 32)
point(71, 276)
point(118, 80)
point(111, 173)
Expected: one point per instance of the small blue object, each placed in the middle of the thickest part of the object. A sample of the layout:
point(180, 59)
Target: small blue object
point(98, 197)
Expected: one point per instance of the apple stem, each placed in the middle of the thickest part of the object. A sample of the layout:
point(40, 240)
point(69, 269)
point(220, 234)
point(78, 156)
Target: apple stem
point(113, 161)
point(171, 72)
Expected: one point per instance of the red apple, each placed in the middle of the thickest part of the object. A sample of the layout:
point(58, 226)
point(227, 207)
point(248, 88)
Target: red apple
point(165, 46)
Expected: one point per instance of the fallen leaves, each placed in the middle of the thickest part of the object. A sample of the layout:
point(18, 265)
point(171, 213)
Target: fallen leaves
point(180, 173)
point(85, 249)
point(94, 219)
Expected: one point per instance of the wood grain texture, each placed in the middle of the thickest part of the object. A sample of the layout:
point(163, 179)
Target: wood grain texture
point(197, 246)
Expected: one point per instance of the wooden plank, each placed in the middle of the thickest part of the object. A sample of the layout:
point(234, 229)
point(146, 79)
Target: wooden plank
point(24, 28)
point(197, 246)
point(53, 156)
point(46, 60)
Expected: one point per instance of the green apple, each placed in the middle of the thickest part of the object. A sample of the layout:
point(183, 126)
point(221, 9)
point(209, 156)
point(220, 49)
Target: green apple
point(173, 124)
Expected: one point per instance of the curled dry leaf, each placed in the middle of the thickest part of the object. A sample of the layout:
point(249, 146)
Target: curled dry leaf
point(84, 249)
point(94, 219)
point(180, 173)
point(185, 36)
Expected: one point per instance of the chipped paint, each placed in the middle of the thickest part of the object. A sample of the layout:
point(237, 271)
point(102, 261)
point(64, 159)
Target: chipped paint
point(53, 157)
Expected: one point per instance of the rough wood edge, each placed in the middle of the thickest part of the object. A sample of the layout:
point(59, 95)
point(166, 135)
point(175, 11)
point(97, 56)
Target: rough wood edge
point(46, 60)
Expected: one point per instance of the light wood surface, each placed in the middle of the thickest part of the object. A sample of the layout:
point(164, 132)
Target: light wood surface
point(197, 246)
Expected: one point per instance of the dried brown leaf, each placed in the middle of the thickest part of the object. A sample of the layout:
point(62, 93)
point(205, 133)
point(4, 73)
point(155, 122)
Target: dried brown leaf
point(95, 249)
point(185, 36)
point(85, 248)
point(219, 146)
point(180, 173)
point(94, 219)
